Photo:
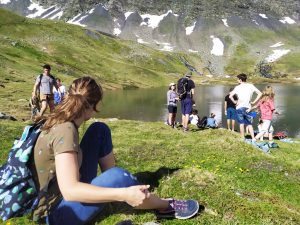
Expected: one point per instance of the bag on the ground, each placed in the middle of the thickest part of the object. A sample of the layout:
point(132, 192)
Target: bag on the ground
point(202, 123)
point(182, 87)
point(34, 105)
point(280, 135)
point(17, 188)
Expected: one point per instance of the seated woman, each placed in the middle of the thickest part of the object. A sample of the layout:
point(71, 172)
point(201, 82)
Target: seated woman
point(74, 193)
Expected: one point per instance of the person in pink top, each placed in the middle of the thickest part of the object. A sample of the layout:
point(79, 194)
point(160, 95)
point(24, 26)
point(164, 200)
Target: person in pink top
point(267, 108)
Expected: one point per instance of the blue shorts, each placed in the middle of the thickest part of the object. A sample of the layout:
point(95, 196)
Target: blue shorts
point(186, 106)
point(243, 117)
point(231, 113)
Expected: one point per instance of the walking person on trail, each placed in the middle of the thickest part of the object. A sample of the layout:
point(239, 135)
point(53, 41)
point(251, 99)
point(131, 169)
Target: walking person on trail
point(76, 194)
point(43, 89)
point(186, 92)
point(172, 99)
point(244, 92)
point(230, 111)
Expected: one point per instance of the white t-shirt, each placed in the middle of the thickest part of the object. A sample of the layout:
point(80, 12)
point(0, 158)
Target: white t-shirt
point(62, 89)
point(244, 91)
point(194, 119)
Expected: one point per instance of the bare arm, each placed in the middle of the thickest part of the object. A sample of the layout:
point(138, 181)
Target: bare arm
point(259, 94)
point(231, 97)
point(225, 107)
point(193, 94)
point(34, 89)
point(252, 107)
point(72, 189)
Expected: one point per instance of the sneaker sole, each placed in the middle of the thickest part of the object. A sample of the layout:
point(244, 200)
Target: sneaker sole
point(173, 216)
point(190, 216)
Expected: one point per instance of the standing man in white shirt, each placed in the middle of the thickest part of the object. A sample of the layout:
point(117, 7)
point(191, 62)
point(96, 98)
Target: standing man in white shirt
point(244, 92)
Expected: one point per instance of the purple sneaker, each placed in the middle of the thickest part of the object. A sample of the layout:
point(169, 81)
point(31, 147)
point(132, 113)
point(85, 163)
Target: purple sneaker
point(179, 209)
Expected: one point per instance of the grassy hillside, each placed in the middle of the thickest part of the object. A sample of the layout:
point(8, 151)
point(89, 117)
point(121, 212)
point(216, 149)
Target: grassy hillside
point(25, 45)
point(236, 183)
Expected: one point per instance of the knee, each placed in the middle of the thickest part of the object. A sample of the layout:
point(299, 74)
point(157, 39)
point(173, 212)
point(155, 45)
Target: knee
point(117, 177)
point(98, 128)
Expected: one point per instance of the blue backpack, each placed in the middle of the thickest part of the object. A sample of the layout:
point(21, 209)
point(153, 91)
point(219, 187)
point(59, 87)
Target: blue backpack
point(18, 193)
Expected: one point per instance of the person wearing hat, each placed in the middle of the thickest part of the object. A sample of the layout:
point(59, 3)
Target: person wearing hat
point(172, 99)
point(187, 99)
point(43, 89)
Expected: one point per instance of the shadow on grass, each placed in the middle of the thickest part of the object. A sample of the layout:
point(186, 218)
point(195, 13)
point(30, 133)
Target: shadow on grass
point(147, 177)
point(153, 178)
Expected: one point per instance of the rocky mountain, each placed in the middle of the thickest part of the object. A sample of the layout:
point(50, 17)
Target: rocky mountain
point(230, 36)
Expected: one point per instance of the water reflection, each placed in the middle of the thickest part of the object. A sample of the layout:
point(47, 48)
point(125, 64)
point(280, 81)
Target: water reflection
point(150, 105)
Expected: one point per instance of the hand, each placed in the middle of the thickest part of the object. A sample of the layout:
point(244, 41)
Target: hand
point(225, 112)
point(248, 110)
point(135, 195)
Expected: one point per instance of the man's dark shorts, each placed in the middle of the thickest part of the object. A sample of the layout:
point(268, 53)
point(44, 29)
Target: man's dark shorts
point(231, 113)
point(172, 109)
point(243, 117)
point(186, 106)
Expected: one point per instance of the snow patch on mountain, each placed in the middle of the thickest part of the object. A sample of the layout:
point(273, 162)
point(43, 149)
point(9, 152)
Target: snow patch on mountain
point(166, 46)
point(39, 10)
point(153, 20)
point(256, 22)
point(263, 16)
point(277, 54)
point(57, 15)
point(51, 12)
point(189, 30)
point(218, 46)
point(117, 31)
point(4, 2)
point(78, 18)
point(287, 20)
point(127, 14)
point(193, 51)
point(278, 44)
point(225, 22)
point(141, 41)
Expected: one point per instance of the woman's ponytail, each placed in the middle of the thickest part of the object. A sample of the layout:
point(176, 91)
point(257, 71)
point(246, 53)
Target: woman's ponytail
point(83, 94)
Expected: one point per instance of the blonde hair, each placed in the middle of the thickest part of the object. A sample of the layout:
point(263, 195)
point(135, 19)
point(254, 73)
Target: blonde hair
point(83, 94)
point(268, 93)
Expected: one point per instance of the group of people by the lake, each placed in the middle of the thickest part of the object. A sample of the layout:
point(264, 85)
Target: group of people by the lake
point(238, 106)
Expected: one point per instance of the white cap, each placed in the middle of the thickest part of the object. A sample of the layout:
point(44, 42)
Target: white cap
point(172, 84)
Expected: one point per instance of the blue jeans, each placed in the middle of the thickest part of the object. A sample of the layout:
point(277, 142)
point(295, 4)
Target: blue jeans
point(231, 113)
point(96, 143)
point(243, 117)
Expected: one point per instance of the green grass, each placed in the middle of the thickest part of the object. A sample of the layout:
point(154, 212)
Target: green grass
point(241, 61)
point(235, 182)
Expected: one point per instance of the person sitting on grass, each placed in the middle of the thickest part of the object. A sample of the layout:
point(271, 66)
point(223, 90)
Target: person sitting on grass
point(211, 121)
point(76, 194)
point(194, 117)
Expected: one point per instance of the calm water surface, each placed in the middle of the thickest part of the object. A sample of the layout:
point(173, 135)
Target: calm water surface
point(150, 105)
